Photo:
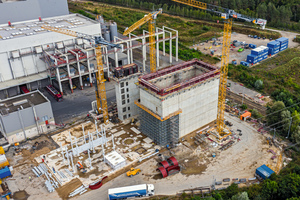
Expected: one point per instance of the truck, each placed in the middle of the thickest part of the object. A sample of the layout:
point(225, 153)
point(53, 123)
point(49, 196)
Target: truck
point(142, 190)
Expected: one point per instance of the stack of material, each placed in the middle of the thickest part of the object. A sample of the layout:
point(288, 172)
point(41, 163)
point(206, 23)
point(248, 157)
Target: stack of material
point(82, 189)
point(3, 161)
point(284, 43)
point(258, 54)
point(49, 186)
point(273, 47)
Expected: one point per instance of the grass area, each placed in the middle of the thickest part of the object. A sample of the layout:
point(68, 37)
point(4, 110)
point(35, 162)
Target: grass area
point(191, 31)
point(280, 72)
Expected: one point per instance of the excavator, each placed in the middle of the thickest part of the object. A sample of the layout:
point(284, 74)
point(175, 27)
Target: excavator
point(80, 167)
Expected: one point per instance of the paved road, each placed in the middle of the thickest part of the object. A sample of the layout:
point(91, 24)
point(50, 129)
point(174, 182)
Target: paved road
point(78, 103)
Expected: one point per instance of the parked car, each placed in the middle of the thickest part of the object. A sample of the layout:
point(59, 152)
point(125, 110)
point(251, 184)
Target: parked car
point(264, 38)
point(271, 38)
point(258, 37)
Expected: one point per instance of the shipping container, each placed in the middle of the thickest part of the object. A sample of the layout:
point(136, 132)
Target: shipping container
point(273, 44)
point(256, 51)
point(282, 40)
point(252, 59)
point(252, 46)
point(245, 63)
point(283, 48)
point(265, 57)
point(5, 172)
point(264, 172)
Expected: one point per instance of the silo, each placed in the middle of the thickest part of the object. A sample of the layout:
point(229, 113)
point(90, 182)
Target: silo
point(106, 36)
point(113, 30)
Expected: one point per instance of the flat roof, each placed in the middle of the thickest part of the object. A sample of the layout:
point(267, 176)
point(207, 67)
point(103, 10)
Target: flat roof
point(33, 27)
point(22, 101)
point(114, 158)
point(177, 77)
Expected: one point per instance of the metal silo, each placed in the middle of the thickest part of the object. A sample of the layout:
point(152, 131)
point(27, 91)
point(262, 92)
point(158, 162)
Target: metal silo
point(106, 36)
point(113, 30)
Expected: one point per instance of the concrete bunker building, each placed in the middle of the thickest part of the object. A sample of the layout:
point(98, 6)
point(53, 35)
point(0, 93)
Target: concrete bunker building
point(178, 100)
point(25, 116)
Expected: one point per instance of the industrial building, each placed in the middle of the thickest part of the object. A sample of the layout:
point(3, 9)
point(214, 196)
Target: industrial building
point(127, 92)
point(177, 100)
point(25, 116)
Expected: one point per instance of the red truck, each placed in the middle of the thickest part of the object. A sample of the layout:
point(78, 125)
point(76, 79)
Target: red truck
point(52, 90)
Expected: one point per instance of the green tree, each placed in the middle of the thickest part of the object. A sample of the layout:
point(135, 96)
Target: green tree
point(240, 196)
point(244, 106)
point(269, 189)
point(258, 84)
point(286, 120)
point(262, 10)
point(276, 114)
point(296, 135)
point(289, 186)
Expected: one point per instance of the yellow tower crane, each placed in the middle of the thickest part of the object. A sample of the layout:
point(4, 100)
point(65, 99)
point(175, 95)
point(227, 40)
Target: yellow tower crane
point(224, 62)
point(150, 18)
point(97, 41)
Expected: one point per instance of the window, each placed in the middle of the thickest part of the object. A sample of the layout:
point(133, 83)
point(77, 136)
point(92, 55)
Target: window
point(127, 100)
point(122, 84)
point(127, 89)
point(156, 109)
point(124, 109)
point(128, 108)
point(122, 91)
point(124, 117)
point(127, 95)
point(123, 96)
point(126, 83)
point(129, 115)
point(123, 102)
point(120, 62)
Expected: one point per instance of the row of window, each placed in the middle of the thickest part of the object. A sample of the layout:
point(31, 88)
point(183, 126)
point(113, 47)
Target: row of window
point(124, 109)
point(122, 84)
point(125, 116)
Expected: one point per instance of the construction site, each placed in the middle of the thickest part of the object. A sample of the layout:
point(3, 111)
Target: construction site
point(170, 124)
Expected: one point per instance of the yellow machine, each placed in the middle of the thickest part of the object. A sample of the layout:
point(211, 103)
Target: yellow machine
point(100, 86)
point(133, 172)
point(224, 64)
point(150, 18)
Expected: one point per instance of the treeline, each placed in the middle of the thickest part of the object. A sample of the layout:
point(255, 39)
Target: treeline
point(280, 14)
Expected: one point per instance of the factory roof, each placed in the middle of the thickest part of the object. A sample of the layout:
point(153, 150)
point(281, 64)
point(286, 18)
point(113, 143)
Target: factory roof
point(33, 27)
point(21, 102)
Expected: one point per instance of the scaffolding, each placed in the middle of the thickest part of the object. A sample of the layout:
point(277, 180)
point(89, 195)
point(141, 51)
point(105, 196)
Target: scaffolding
point(161, 132)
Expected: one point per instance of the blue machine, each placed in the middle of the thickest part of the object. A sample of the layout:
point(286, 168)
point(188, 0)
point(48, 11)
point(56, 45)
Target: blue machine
point(5, 172)
point(245, 63)
point(264, 171)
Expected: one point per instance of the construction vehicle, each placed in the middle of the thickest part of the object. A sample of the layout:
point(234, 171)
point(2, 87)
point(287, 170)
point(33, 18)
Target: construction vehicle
point(80, 167)
point(96, 41)
point(226, 14)
point(143, 190)
point(133, 172)
point(150, 18)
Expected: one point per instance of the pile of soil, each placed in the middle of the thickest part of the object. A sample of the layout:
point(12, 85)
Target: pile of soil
point(20, 195)
point(28, 155)
point(66, 189)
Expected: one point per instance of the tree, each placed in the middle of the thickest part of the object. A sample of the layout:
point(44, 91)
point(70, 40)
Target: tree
point(296, 135)
point(286, 120)
point(262, 10)
point(258, 84)
point(276, 114)
point(255, 114)
point(269, 189)
point(240, 196)
point(289, 186)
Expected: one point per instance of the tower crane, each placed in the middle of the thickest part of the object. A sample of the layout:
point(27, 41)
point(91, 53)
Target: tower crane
point(97, 41)
point(150, 18)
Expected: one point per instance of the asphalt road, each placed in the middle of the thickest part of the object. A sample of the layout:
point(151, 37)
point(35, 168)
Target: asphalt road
point(78, 103)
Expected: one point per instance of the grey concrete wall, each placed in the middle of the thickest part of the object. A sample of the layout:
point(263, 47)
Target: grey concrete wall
point(12, 122)
point(132, 90)
point(32, 9)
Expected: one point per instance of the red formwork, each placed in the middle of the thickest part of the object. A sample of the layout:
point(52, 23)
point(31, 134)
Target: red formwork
point(173, 169)
point(173, 161)
point(144, 80)
point(163, 171)
point(165, 164)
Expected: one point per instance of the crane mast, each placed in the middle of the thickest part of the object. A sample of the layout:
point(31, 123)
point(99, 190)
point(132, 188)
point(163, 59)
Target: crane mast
point(100, 81)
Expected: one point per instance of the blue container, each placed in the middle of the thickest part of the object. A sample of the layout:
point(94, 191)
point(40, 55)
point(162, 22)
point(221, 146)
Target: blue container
point(252, 59)
point(273, 44)
point(252, 46)
point(256, 52)
point(265, 57)
point(245, 63)
point(264, 171)
point(282, 40)
point(283, 47)
point(234, 62)
point(5, 172)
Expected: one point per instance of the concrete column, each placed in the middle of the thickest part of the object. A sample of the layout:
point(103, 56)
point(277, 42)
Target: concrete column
point(88, 64)
point(164, 43)
point(157, 48)
point(116, 55)
point(170, 47)
point(79, 71)
point(144, 53)
point(69, 74)
point(130, 45)
point(176, 46)
point(128, 53)
point(34, 60)
point(59, 81)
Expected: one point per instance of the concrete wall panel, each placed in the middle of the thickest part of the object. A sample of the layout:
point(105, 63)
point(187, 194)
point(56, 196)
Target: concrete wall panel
point(5, 70)
point(29, 65)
